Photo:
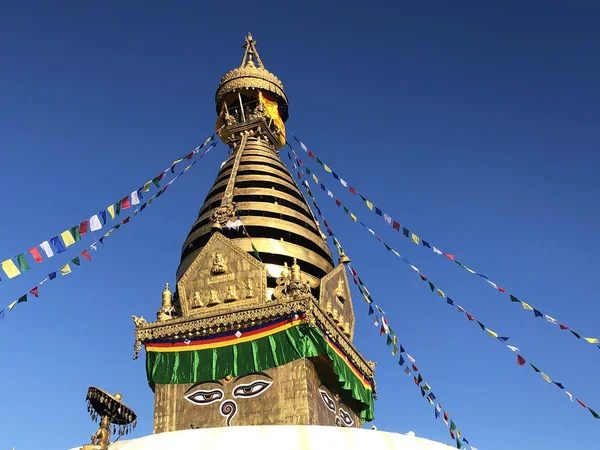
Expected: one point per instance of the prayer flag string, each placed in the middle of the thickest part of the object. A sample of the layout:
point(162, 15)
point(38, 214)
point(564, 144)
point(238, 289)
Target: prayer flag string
point(438, 292)
point(66, 269)
point(60, 242)
point(418, 240)
point(391, 337)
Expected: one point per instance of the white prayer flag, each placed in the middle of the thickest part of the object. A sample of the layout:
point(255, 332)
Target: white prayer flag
point(343, 182)
point(513, 348)
point(387, 218)
point(93, 246)
point(551, 320)
point(95, 223)
point(435, 250)
point(47, 249)
point(134, 198)
point(569, 395)
point(410, 358)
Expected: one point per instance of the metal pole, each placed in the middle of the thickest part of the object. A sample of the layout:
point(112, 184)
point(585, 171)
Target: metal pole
point(241, 106)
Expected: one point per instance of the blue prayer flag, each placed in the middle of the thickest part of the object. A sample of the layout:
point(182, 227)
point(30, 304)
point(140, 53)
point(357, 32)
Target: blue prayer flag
point(52, 275)
point(57, 244)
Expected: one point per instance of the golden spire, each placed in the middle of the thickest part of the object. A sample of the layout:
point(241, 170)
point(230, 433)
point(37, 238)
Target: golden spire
point(250, 53)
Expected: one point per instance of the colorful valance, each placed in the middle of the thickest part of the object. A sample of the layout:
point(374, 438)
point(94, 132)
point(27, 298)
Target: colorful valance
point(248, 350)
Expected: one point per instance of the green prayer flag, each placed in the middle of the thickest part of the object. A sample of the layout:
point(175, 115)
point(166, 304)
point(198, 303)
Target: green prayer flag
point(389, 340)
point(307, 170)
point(156, 182)
point(118, 207)
point(255, 253)
point(387, 246)
point(420, 379)
point(481, 325)
point(76, 261)
point(319, 161)
point(422, 393)
point(150, 200)
point(116, 227)
point(514, 299)
point(594, 413)
point(22, 262)
point(346, 210)
point(405, 231)
point(75, 233)
point(452, 425)
point(458, 444)
point(22, 299)
point(534, 368)
point(575, 334)
point(431, 286)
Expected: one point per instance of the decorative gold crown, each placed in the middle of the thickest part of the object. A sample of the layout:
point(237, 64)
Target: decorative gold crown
point(251, 76)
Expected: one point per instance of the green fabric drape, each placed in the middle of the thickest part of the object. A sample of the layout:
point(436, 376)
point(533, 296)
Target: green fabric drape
point(301, 341)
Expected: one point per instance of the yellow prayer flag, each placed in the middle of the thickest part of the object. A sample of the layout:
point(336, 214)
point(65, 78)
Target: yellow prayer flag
point(111, 210)
point(415, 238)
point(10, 268)
point(326, 167)
point(440, 293)
point(187, 168)
point(592, 340)
point(369, 204)
point(366, 290)
point(67, 238)
point(147, 186)
point(546, 377)
point(426, 387)
point(492, 333)
point(315, 178)
point(469, 270)
point(177, 161)
point(65, 270)
point(353, 217)
point(396, 253)
point(527, 306)
point(12, 305)
point(109, 232)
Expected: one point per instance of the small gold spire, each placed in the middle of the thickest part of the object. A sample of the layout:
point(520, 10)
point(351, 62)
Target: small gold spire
point(343, 258)
point(167, 297)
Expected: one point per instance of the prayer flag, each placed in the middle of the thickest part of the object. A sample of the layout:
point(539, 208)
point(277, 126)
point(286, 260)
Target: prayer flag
point(255, 252)
point(47, 249)
point(537, 313)
point(76, 261)
point(491, 333)
point(125, 203)
point(95, 224)
point(431, 286)
point(546, 377)
point(23, 266)
point(415, 368)
point(75, 233)
point(527, 306)
point(83, 227)
point(52, 275)
point(57, 244)
point(415, 238)
point(22, 299)
point(36, 254)
point(401, 360)
point(86, 255)
point(111, 211)
point(118, 207)
point(396, 225)
point(513, 348)
point(35, 291)
point(520, 360)
point(594, 413)
point(10, 268)
point(440, 293)
point(592, 340)
point(12, 305)
point(410, 358)
point(369, 205)
point(581, 403)
point(563, 327)
point(65, 270)
point(551, 320)
point(135, 200)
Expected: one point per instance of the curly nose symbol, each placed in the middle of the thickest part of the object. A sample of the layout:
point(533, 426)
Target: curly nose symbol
point(228, 409)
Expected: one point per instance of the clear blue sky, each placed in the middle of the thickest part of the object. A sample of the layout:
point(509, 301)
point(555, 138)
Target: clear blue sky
point(473, 125)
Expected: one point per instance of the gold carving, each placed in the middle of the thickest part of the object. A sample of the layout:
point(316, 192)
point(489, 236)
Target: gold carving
point(213, 298)
point(231, 295)
point(219, 265)
point(139, 321)
point(220, 279)
point(249, 288)
point(339, 290)
point(197, 303)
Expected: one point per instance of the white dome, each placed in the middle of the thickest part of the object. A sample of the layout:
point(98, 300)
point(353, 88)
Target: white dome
point(275, 437)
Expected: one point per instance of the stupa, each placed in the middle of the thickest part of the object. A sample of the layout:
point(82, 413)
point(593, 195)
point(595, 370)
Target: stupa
point(258, 330)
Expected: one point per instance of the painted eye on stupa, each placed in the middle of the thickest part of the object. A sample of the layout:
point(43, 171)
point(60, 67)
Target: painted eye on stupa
point(202, 397)
point(346, 418)
point(327, 400)
point(252, 389)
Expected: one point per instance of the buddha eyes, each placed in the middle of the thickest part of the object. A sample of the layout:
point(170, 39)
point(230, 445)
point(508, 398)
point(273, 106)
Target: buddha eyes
point(346, 419)
point(252, 389)
point(205, 397)
point(327, 400)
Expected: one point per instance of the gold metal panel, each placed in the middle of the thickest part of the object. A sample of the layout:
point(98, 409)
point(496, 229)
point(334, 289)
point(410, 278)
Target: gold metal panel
point(335, 300)
point(221, 277)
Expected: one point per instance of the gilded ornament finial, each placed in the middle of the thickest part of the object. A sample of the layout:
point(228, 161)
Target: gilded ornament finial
point(166, 311)
point(343, 258)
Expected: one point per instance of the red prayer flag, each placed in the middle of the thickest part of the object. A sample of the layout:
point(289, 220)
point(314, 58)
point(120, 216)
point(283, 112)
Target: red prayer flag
point(423, 277)
point(520, 360)
point(35, 291)
point(36, 254)
point(311, 154)
point(125, 202)
point(301, 162)
point(162, 174)
point(563, 327)
point(351, 189)
point(396, 226)
point(382, 331)
point(337, 202)
point(416, 381)
point(469, 316)
point(126, 220)
point(415, 368)
point(299, 175)
point(83, 227)
point(501, 289)
point(451, 433)
point(446, 415)
point(449, 256)
point(190, 156)
point(86, 255)
point(581, 403)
